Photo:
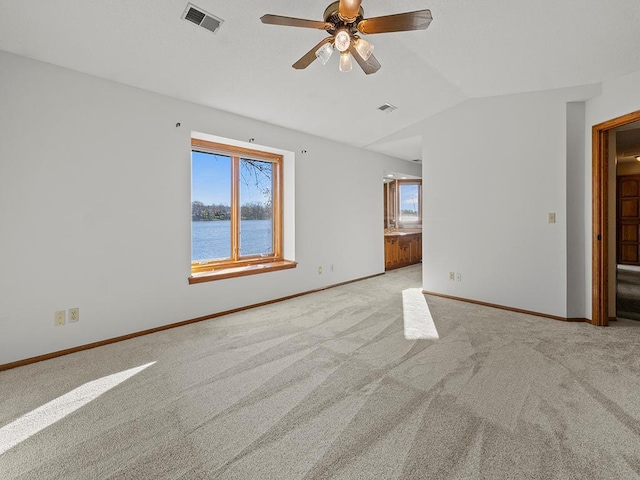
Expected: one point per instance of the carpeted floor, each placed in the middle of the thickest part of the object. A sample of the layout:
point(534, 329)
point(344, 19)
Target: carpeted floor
point(326, 386)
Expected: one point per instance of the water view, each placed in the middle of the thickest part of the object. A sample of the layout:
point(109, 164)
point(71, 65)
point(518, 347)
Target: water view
point(212, 239)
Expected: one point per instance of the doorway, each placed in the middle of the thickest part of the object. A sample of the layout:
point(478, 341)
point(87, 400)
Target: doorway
point(600, 211)
point(402, 220)
point(626, 145)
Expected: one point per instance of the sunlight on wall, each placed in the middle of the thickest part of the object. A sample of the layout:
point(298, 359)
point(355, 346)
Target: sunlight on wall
point(48, 414)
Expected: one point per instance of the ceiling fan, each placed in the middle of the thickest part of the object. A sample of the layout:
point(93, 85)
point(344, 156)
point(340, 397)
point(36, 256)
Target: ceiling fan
point(344, 20)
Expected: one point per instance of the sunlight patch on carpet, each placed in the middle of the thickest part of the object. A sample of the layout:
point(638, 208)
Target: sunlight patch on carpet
point(418, 323)
point(48, 414)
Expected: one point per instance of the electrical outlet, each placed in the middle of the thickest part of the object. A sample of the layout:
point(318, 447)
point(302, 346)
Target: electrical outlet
point(458, 277)
point(319, 270)
point(59, 318)
point(452, 276)
point(74, 315)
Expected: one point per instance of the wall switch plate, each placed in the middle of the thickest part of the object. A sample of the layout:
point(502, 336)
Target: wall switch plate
point(552, 218)
point(59, 318)
point(452, 276)
point(74, 315)
point(319, 270)
point(458, 277)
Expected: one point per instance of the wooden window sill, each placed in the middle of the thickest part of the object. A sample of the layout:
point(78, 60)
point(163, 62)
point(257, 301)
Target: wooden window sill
point(240, 271)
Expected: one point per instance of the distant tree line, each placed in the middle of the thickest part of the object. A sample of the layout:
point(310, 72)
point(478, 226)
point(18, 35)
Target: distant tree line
point(255, 211)
point(249, 211)
point(201, 212)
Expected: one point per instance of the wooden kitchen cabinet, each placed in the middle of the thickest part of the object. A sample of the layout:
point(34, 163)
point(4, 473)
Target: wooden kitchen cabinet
point(401, 250)
point(391, 252)
point(416, 248)
point(404, 250)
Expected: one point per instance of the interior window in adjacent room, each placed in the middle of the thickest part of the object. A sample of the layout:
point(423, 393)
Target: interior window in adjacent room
point(409, 203)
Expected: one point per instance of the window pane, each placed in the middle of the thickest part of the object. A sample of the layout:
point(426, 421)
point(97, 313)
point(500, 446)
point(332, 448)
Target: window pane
point(256, 207)
point(210, 207)
point(409, 198)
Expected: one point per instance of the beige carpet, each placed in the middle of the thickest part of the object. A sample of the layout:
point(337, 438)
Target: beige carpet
point(326, 386)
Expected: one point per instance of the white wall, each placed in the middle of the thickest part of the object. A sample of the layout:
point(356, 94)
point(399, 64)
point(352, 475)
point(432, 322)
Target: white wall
point(95, 209)
point(576, 242)
point(493, 169)
point(619, 97)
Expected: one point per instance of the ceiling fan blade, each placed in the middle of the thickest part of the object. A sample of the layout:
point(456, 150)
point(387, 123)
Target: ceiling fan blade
point(294, 22)
point(308, 58)
point(348, 10)
point(368, 66)
point(400, 22)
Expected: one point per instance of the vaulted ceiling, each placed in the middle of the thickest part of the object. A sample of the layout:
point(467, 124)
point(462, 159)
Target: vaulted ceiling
point(472, 49)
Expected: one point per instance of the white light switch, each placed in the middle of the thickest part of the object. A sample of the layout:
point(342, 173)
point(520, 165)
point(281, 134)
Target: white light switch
point(552, 218)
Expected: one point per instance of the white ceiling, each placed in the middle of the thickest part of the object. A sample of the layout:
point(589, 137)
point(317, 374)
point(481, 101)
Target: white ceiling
point(472, 49)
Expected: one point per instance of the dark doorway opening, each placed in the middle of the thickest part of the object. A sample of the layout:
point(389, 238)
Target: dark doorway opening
point(600, 210)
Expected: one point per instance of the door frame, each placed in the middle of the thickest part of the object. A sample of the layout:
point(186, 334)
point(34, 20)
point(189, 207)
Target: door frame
point(600, 215)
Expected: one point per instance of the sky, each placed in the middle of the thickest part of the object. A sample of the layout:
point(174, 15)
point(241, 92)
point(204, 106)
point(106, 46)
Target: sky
point(211, 184)
point(409, 195)
point(210, 178)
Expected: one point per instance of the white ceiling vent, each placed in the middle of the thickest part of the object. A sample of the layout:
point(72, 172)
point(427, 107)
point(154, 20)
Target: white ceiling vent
point(387, 107)
point(198, 16)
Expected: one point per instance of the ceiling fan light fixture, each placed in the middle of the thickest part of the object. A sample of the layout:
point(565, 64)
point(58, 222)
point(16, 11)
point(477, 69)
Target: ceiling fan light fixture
point(324, 53)
point(343, 20)
point(364, 48)
point(345, 62)
point(342, 40)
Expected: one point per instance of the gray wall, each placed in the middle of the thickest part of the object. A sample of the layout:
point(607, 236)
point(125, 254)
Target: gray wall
point(493, 169)
point(95, 209)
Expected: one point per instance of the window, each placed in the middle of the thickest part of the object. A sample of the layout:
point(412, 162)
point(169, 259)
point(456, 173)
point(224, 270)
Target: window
point(409, 203)
point(403, 203)
point(236, 212)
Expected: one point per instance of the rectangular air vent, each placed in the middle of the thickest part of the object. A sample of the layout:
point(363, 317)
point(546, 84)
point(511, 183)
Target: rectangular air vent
point(198, 16)
point(387, 107)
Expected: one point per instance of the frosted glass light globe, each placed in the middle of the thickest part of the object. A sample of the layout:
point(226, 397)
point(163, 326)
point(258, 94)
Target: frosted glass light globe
point(324, 53)
point(345, 62)
point(343, 40)
point(364, 48)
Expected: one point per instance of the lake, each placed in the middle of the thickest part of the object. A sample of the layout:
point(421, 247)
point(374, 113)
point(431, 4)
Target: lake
point(212, 240)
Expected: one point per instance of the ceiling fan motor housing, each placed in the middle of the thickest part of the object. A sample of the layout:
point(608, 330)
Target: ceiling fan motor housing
point(332, 15)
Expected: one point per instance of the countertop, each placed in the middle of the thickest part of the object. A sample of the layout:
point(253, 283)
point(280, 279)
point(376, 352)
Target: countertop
point(401, 232)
